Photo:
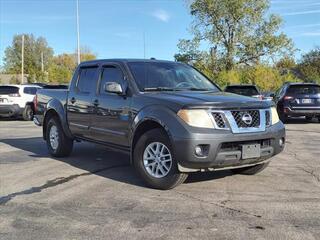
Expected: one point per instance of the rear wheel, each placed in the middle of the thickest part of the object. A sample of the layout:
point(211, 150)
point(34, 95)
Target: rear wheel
point(59, 145)
point(27, 113)
point(155, 162)
point(250, 170)
point(308, 118)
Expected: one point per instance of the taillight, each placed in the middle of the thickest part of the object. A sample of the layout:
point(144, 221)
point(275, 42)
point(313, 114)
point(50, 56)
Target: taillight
point(35, 103)
point(14, 95)
point(287, 97)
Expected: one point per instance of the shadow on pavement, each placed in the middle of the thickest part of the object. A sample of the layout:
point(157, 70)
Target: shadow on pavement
point(98, 159)
point(301, 121)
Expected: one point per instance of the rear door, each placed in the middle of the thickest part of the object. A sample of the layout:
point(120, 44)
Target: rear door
point(80, 106)
point(111, 120)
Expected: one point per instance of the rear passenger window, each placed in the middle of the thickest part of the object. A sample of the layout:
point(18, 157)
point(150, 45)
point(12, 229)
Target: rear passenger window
point(87, 80)
point(111, 74)
point(30, 90)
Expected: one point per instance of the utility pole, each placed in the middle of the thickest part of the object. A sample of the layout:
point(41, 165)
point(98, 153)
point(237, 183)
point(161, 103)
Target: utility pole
point(78, 33)
point(22, 60)
point(144, 45)
point(42, 66)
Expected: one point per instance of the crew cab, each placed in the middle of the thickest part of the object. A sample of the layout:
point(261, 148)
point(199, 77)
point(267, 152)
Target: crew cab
point(168, 116)
point(17, 101)
point(298, 100)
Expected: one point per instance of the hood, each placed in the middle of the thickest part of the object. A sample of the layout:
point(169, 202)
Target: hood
point(214, 100)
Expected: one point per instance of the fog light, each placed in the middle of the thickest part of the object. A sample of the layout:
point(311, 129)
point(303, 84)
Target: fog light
point(281, 142)
point(201, 150)
point(198, 151)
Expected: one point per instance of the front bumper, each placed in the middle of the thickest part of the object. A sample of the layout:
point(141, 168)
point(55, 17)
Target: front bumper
point(10, 110)
point(224, 148)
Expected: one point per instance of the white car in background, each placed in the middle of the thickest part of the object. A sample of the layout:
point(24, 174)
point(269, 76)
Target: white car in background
point(17, 101)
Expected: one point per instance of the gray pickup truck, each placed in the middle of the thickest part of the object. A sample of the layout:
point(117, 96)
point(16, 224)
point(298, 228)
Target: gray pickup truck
point(168, 116)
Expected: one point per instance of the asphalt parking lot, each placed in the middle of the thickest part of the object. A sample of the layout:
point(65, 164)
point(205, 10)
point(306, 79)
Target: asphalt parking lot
point(95, 194)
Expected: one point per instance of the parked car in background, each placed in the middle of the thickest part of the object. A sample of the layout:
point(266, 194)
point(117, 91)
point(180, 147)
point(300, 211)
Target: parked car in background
point(17, 101)
point(245, 90)
point(168, 116)
point(298, 99)
point(268, 96)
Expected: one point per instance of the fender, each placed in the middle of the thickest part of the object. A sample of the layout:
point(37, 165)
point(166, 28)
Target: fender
point(162, 115)
point(58, 108)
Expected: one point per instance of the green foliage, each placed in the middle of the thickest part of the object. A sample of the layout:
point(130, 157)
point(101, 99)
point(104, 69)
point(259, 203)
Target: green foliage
point(239, 32)
point(57, 69)
point(265, 77)
point(33, 47)
point(62, 66)
point(309, 67)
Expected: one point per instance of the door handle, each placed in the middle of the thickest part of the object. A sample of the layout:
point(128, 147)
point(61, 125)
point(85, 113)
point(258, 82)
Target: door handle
point(72, 100)
point(96, 103)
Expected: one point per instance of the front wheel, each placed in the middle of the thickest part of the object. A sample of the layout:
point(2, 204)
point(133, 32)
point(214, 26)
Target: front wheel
point(155, 162)
point(59, 145)
point(250, 170)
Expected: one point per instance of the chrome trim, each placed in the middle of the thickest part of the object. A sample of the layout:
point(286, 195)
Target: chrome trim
point(187, 170)
point(231, 123)
point(223, 117)
point(236, 129)
point(306, 107)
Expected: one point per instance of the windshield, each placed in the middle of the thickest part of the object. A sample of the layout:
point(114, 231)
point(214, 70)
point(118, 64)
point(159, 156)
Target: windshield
point(304, 89)
point(160, 76)
point(243, 90)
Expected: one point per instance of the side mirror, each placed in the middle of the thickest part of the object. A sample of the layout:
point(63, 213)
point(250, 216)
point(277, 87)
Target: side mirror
point(113, 87)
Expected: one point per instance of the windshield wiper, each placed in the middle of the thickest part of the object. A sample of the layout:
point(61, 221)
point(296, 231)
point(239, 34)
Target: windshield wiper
point(158, 89)
point(193, 89)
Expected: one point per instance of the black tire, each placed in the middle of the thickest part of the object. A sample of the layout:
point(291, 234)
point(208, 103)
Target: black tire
point(319, 119)
point(308, 118)
point(173, 177)
point(250, 170)
point(27, 114)
point(64, 143)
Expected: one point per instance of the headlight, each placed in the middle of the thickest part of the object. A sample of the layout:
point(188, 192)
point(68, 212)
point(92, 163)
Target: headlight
point(274, 116)
point(196, 118)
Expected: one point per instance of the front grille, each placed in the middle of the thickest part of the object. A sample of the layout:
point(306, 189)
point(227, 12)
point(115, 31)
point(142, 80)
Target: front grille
point(268, 119)
point(218, 118)
point(238, 117)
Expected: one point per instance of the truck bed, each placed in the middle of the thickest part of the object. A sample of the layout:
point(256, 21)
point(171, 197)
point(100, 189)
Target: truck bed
point(44, 96)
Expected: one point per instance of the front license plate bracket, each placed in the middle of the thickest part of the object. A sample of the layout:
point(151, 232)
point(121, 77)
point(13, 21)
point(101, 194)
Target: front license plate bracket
point(251, 151)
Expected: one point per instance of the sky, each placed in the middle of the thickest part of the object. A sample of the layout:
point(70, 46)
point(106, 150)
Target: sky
point(117, 28)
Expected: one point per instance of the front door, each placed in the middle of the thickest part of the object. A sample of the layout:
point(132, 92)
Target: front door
point(80, 106)
point(111, 121)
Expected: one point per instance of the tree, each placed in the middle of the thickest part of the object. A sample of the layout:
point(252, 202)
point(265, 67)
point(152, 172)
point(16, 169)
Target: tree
point(33, 48)
point(62, 67)
point(309, 67)
point(238, 32)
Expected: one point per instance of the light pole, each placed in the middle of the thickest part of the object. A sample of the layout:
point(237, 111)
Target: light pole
point(22, 59)
point(78, 34)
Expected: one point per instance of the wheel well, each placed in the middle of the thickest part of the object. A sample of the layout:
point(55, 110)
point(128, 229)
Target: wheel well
point(30, 104)
point(48, 115)
point(143, 128)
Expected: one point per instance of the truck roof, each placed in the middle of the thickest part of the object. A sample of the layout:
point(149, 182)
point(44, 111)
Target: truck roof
point(124, 60)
